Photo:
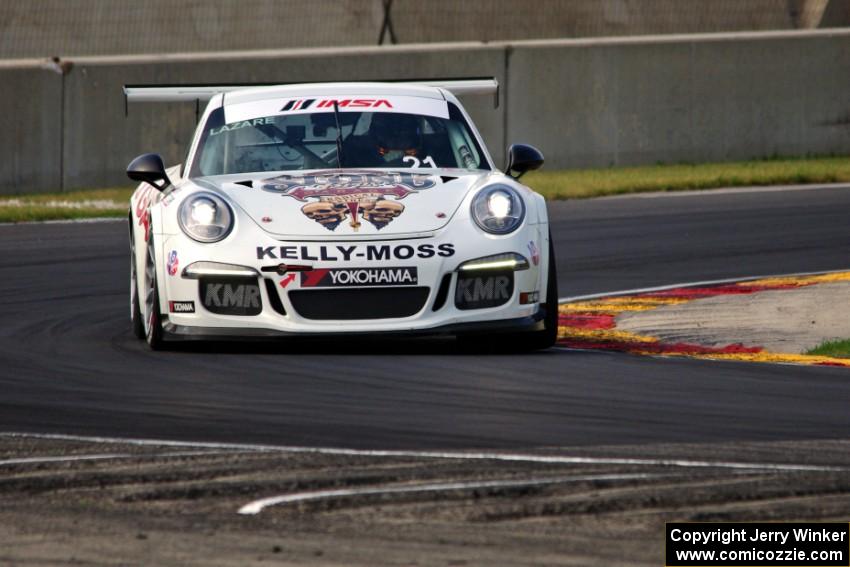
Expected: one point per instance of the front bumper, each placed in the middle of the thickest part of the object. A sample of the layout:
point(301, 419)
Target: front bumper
point(283, 317)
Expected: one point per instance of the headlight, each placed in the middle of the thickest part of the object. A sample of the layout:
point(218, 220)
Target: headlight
point(205, 217)
point(498, 209)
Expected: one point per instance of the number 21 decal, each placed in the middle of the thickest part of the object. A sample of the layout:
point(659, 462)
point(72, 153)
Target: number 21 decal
point(414, 161)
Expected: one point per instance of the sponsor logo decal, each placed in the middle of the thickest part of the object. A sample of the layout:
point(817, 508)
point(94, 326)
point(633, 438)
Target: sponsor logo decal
point(230, 295)
point(355, 252)
point(534, 251)
point(298, 104)
point(172, 264)
point(529, 297)
point(231, 298)
point(241, 124)
point(360, 277)
point(287, 280)
point(332, 198)
point(145, 197)
point(477, 292)
point(304, 104)
point(181, 306)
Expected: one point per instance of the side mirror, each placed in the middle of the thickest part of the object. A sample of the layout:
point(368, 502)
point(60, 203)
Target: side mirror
point(523, 158)
point(148, 168)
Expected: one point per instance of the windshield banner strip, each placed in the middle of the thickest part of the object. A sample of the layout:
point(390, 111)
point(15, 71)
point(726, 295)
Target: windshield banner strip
point(353, 103)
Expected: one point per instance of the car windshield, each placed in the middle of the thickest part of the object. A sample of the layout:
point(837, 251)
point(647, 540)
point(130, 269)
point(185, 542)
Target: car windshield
point(297, 141)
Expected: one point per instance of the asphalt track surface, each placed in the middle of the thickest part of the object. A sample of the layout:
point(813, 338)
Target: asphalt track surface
point(69, 364)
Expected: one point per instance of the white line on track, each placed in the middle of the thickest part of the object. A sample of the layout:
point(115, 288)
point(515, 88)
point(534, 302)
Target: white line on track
point(40, 460)
point(107, 456)
point(691, 284)
point(258, 506)
point(459, 455)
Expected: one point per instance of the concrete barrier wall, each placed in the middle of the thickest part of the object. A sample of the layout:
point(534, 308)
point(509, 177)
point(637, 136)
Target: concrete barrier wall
point(30, 127)
point(69, 28)
point(585, 103)
point(680, 99)
point(73, 28)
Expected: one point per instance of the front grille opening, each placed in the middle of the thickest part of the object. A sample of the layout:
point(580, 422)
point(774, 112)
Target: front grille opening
point(274, 297)
point(359, 303)
point(442, 292)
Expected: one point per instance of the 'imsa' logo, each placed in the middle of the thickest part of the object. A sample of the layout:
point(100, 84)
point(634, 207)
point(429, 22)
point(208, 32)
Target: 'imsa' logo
point(231, 298)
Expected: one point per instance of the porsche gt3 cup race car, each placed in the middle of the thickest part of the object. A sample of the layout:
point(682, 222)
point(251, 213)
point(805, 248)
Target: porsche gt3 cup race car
point(338, 208)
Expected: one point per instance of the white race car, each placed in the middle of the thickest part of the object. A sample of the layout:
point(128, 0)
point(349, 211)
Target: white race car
point(337, 209)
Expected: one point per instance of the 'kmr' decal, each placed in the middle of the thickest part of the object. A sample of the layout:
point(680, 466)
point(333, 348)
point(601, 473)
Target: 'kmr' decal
point(230, 297)
point(480, 291)
point(334, 197)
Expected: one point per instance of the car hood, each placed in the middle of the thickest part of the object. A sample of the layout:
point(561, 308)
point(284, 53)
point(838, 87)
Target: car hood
point(349, 203)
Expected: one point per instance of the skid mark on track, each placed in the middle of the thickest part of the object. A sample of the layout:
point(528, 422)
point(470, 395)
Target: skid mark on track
point(589, 322)
point(257, 506)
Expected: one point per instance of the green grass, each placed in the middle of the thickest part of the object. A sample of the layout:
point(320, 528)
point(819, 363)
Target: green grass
point(93, 203)
point(838, 349)
point(29, 214)
point(562, 184)
point(583, 183)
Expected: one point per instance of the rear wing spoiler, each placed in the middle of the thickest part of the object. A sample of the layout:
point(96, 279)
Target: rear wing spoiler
point(202, 93)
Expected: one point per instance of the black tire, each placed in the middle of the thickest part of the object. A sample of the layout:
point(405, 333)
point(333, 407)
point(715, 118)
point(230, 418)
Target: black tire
point(136, 320)
point(153, 318)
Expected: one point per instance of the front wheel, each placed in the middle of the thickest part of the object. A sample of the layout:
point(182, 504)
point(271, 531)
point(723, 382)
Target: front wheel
point(136, 319)
point(153, 318)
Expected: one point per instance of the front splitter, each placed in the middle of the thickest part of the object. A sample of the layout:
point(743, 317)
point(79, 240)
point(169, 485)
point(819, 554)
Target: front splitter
point(174, 332)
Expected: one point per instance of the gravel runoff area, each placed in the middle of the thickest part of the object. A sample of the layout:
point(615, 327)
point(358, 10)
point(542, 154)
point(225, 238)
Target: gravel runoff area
point(784, 321)
point(73, 502)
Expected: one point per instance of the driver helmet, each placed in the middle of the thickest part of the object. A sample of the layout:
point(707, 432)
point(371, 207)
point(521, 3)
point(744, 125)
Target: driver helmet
point(396, 132)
